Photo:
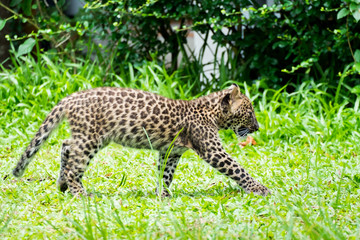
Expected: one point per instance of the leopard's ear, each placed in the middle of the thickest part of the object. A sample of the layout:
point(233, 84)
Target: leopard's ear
point(234, 85)
point(231, 99)
point(235, 93)
point(225, 103)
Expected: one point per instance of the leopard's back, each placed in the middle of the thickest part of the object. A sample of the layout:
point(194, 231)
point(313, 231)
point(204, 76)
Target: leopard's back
point(132, 118)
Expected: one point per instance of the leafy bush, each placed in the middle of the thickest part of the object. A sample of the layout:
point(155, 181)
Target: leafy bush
point(287, 42)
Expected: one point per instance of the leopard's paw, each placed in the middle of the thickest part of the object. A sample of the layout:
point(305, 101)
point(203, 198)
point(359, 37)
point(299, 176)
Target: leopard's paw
point(164, 193)
point(61, 185)
point(259, 189)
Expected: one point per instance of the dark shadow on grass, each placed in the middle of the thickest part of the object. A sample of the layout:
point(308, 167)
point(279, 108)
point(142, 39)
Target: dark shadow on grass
point(28, 179)
point(130, 193)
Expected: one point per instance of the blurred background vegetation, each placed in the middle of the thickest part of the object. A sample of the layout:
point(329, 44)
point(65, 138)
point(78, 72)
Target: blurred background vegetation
point(281, 42)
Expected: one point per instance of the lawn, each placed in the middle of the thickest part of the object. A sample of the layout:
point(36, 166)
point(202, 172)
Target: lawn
point(306, 153)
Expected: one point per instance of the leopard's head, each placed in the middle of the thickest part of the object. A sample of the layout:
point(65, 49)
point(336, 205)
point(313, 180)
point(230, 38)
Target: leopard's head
point(238, 112)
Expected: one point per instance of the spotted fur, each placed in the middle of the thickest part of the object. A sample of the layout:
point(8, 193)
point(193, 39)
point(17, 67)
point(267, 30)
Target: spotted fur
point(103, 115)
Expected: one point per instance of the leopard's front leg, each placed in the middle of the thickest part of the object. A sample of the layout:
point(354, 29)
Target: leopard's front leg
point(166, 167)
point(224, 164)
point(212, 152)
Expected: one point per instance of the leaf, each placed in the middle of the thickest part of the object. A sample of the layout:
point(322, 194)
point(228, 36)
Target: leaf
point(356, 15)
point(355, 11)
point(2, 24)
point(357, 67)
point(343, 13)
point(26, 47)
point(356, 89)
point(353, 7)
point(357, 55)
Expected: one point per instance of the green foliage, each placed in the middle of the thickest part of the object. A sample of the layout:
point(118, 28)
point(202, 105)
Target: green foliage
point(26, 47)
point(2, 24)
point(287, 42)
point(352, 8)
point(299, 36)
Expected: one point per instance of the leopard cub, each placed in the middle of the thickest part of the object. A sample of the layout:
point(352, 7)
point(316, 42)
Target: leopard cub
point(133, 118)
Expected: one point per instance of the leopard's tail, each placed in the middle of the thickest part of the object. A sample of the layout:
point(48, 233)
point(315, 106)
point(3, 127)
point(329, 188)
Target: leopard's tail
point(50, 123)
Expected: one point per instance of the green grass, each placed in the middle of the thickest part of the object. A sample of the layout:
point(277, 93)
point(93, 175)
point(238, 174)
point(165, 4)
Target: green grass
point(307, 154)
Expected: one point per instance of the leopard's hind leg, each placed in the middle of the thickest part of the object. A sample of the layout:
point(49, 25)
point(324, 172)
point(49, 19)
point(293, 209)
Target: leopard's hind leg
point(81, 152)
point(65, 151)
